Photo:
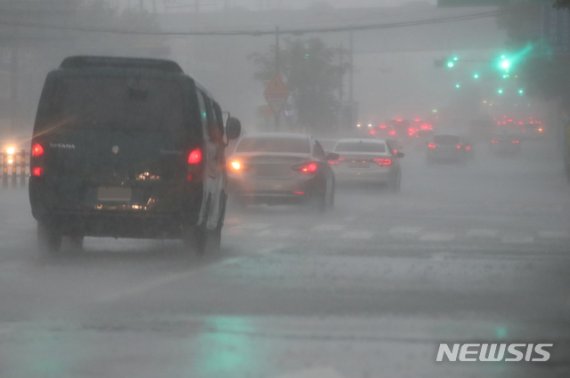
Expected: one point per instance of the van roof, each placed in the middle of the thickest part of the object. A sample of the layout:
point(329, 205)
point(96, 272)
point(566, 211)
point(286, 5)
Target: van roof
point(85, 62)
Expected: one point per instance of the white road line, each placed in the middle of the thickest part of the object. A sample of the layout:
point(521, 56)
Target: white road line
point(517, 239)
point(404, 232)
point(482, 233)
point(554, 234)
point(275, 232)
point(361, 235)
point(313, 373)
point(329, 227)
point(437, 236)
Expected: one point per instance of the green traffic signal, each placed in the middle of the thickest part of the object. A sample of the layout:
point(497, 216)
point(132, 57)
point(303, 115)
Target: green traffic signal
point(476, 76)
point(505, 64)
point(457, 85)
point(500, 91)
point(521, 92)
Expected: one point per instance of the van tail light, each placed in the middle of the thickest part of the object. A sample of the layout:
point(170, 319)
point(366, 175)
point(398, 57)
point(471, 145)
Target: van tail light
point(309, 168)
point(195, 157)
point(383, 162)
point(432, 146)
point(37, 171)
point(37, 150)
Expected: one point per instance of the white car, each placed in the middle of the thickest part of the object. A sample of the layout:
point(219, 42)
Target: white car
point(367, 160)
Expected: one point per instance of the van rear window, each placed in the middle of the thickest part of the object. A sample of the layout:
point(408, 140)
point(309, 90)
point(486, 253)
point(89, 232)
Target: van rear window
point(117, 103)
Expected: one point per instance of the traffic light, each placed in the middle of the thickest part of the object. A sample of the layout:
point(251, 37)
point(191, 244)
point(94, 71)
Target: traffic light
point(457, 85)
point(500, 91)
point(505, 64)
point(476, 76)
point(521, 92)
point(452, 61)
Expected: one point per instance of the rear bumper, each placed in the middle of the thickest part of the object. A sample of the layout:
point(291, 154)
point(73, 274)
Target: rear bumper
point(121, 224)
point(364, 175)
point(273, 189)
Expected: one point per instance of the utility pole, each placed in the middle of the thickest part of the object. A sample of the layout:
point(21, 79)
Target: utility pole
point(277, 72)
point(351, 75)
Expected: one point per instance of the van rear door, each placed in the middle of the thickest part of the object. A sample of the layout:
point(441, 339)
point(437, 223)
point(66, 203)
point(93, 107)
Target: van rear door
point(115, 141)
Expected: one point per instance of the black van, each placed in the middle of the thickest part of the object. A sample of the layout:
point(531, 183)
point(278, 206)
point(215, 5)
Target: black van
point(127, 147)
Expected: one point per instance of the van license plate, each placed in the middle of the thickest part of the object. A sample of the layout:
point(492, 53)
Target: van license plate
point(114, 194)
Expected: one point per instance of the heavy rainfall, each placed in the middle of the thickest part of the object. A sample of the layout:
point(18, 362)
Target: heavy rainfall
point(284, 189)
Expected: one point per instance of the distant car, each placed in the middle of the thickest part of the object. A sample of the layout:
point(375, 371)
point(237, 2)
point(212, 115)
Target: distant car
point(447, 148)
point(138, 152)
point(277, 168)
point(368, 161)
point(505, 142)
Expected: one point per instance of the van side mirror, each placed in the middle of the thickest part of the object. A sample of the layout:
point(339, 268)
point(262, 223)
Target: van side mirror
point(233, 128)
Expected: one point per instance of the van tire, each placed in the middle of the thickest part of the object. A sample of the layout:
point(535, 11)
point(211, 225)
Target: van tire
point(49, 239)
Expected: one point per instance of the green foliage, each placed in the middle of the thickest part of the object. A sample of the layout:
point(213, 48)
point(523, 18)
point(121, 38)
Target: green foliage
point(313, 72)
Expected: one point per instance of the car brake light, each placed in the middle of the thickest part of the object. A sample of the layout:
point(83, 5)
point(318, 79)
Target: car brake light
point(195, 156)
point(335, 162)
point(37, 150)
point(458, 146)
point(383, 162)
point(468, 148)
point(309, 168)
point(494, 141)
point(432, 146)
point(516, 141)
point(372, 132)
point(392, 132)
point(37, 171)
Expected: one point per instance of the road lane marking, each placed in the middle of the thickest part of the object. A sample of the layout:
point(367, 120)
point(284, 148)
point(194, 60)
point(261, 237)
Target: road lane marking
point(361, 235)
point(313, 373)
point(328, 227)
point(517, 239)
point(554, 234)
point(437, 236)
point(404, 231)
point(482, 233)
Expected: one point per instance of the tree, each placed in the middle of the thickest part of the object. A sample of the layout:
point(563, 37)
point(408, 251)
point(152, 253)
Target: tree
point(313, 74)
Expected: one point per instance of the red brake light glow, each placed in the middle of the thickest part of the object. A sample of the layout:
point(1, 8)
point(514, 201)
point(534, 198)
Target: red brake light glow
point(383, 162)
point(195, 156)
point(37, 150)
point(309, 168)
point(458, 146)
point(494, 141)
point(468, 148)
point(37, 171)
point(516, 141)
point(432, 146)
point(392, 132)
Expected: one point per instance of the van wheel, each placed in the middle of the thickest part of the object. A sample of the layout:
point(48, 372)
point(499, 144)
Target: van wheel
point(49, 239)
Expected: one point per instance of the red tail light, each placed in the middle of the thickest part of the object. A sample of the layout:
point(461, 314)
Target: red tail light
point(372, 132)
point(516, 141)
point(383, 162)
point(308, 168)
point(458, 146)
point(37, 171)
point(494, 141)
point(195, 156)
point(37, 150)
point(336, 162)
point(468, 148)
point(432, 146)
point(392, 132)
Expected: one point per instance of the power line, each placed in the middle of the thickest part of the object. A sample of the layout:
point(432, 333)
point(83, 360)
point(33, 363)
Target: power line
point(262, 32)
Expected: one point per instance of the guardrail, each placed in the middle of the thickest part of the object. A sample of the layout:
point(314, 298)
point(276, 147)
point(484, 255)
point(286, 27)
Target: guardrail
point(14, 168)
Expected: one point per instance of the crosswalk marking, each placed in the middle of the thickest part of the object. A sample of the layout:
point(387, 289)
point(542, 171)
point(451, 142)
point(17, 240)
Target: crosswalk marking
point(545, 234)
point(437, 236)
point(404, 231)
point(517, 239)
point(363, 235)
point(329, 227)
point(482, 233)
